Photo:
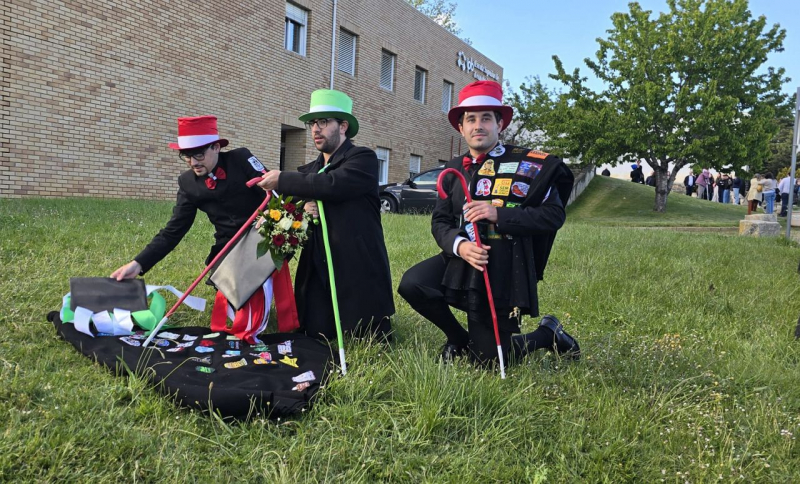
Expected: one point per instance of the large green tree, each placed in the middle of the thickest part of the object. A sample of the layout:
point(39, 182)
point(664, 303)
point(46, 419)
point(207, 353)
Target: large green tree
point(442, 12)
point(688, 86)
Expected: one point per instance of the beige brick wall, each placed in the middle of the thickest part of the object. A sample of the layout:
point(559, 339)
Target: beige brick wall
point(91, 89)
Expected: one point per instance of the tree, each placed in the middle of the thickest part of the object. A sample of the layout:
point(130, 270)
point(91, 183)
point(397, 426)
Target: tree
point(443, 13)
point(686, 87)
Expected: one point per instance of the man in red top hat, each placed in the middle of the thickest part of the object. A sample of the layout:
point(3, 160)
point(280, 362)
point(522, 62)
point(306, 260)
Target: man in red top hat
point(518, 204)
point(214, 184)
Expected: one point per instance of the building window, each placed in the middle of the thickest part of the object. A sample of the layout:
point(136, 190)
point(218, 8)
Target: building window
point(347, 52)
point(414, 165)
point(387, 69)
point(383, 160)
point(296, 23)
point(447, 96)
point(419, 84)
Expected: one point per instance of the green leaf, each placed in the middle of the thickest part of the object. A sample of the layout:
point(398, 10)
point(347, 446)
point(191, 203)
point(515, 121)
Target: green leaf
point(262, 248)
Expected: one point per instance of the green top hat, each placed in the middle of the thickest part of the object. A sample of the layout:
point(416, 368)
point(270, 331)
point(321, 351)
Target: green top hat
point(327, 103)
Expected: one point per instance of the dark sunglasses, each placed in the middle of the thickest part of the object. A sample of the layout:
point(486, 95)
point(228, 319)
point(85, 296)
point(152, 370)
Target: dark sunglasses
point(199, 154)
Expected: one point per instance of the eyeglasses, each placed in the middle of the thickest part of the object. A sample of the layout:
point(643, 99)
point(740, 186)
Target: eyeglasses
point(322, 122)
point(199, 154)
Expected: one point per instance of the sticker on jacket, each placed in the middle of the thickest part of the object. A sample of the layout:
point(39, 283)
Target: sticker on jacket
point(502, 187)
point(528, 169)
point(256, 163)
point(483, 188)
point(487, 169)
point(537, 154)
point(520, 189)
point(507, 168)
point(498, 150)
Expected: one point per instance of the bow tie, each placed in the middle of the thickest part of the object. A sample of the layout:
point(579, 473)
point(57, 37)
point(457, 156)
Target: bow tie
point(211, 181)
point(468, 161)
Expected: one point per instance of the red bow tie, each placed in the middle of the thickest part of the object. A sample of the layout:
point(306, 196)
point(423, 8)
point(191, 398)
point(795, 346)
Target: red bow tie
point(468, 161)
point(211, 181)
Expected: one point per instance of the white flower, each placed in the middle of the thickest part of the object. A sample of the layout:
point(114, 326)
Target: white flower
point(285, 223)
point(304, 226)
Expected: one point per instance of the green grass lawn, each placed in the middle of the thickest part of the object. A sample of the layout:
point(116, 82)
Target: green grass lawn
point(690, 371)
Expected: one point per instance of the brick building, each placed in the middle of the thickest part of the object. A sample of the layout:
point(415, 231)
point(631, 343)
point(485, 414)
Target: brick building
point(91, 89)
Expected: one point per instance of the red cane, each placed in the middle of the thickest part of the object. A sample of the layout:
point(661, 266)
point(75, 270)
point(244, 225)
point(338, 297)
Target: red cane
point(213, 262)
point(475, 237)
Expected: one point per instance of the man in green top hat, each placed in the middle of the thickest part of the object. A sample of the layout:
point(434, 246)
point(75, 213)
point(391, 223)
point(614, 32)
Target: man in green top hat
point(345, 178)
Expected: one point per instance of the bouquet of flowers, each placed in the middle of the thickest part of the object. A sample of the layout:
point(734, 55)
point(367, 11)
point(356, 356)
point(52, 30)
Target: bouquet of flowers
point(284, 227)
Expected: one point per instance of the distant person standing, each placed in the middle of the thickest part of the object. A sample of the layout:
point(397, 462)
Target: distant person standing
point(690, 182)
point(724, 188)
point(738, 187)
point(769, 193)
point(784, 186)
point(754, 194)
point(704, 183)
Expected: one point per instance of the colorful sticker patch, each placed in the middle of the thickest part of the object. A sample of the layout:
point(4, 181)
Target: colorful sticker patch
point(187, 337)
point(204, 369)
point(233, 345)
point(236, 364)
point(491, 232)
point(497, 202)
point(176, 350)
point(161, 342)
point(256, 163)
point(262, 361)
point(131, 341)
point(289, 361)
point(231, 337)
point(507, 168)
point(502, 187)
point(204, 349)
point(487, 169)
point(307, 376)
point(168, 335)
point(520, 189)
point(528, 169)
point(483, 187)
point(285, 348)
point(211, 335)
point(498, 150)
point(301, 386)
point(511, 204)
point(138, 335)
point(260, 347)
point(206, 360)
point(206, 342)
point(232, 353)
point(537, 154)
point(519, 150)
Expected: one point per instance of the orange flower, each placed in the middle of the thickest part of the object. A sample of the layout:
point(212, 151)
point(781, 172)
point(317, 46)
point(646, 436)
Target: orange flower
point(297, 225)
point(275, 215)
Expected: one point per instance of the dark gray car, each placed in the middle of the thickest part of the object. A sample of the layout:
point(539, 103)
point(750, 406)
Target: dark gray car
point(417, 194)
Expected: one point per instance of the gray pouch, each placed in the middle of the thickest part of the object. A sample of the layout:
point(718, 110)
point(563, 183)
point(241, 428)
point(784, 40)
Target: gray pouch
point(241, 273)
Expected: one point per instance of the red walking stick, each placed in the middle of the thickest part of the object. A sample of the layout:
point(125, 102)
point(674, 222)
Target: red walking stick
point(475, 237)
point(219, 256)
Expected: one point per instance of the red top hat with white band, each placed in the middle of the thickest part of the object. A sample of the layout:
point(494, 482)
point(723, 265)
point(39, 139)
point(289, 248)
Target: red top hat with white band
point(481, 96)
point(197, 131)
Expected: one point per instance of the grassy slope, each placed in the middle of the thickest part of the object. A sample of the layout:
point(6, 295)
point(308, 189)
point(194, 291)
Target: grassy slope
point(609, 201)
point(690, 371)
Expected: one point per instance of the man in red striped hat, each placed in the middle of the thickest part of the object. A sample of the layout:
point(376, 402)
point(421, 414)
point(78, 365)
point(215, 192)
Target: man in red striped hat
point(214, 184)
point(518, 199)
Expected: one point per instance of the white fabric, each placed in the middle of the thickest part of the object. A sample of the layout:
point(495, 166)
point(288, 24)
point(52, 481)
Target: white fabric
point(196, 303)
point(187, 142)
point(82, 318)
point(481, 101)
point(323, 107)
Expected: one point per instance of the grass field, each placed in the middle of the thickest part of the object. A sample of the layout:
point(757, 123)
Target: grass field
point(690, 371)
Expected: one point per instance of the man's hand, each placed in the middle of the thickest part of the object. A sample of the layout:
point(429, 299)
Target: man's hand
point(270, 180)
point(312, 209)
point(128, 271)
point(480, 211)
point(475, 256)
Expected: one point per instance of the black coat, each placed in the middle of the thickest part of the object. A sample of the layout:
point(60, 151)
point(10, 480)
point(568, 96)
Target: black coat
point(518, 257)
point(349, 192)
point(228, 206)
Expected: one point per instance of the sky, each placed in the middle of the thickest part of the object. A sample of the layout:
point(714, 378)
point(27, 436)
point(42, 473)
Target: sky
point(523, 35)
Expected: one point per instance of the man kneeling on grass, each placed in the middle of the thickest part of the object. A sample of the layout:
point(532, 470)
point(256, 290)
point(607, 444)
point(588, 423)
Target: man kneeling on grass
point(518, 206)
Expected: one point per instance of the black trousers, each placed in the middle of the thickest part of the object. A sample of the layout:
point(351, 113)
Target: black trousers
point(784, 204)
point(421, 287)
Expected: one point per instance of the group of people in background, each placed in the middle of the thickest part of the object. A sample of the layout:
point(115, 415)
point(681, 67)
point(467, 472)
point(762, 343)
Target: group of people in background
point(761, 189)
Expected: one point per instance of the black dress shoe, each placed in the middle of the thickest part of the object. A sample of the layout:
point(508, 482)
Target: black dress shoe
point(563, 343)
point(450, 352)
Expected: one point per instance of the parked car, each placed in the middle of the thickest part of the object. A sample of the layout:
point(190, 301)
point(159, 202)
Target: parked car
point(417, 194)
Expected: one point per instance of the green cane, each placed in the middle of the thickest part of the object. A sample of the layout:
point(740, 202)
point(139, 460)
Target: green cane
point(334, 298)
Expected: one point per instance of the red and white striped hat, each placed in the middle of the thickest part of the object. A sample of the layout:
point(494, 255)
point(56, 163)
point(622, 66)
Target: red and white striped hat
point(481, 96)
point(197, 131)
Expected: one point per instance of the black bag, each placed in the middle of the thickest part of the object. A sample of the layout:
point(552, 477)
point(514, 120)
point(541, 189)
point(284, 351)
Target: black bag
point(104, 294)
